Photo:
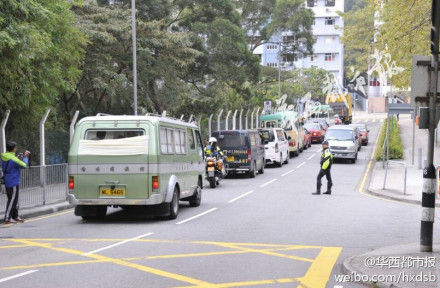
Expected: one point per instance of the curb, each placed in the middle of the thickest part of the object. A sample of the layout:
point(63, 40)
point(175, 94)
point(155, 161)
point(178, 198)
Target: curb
point(348, 269)
point(388, 197)
point(44, 210)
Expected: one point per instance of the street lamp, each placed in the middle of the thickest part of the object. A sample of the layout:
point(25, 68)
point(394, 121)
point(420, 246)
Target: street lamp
point(133, 37)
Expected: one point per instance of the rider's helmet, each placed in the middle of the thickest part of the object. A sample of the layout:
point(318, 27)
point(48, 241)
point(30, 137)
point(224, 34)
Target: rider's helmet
point(212, 140)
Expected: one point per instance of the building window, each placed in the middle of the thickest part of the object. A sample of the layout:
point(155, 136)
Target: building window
point(272, 64)
point(311, 3)
point(329, 21)
point(288, 39)
point(330, 3)
point(289, 58)
point(329, 57)
point(272, 47)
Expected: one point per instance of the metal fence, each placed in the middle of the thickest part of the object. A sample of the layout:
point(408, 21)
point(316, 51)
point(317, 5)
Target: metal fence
point(40, 185)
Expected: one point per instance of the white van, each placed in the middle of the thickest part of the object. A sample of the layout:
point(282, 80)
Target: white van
point(343, 142)
point(276, 148)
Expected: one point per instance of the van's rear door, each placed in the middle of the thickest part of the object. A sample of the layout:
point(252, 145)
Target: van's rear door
point(113, 162)
point(237, 145)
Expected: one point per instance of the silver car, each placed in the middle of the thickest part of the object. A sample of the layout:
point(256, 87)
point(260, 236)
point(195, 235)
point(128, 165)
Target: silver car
point(343, 142)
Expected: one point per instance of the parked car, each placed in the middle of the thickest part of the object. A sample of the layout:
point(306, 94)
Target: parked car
point(343, 142)
point(316, 130)
point(276, 148)
point(323, 121)
point(364, 133)
point(244, 151)
point(129, 161)
point(307, 139)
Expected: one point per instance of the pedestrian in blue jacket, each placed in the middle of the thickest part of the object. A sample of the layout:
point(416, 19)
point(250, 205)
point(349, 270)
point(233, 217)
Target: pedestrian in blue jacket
point(11, 166)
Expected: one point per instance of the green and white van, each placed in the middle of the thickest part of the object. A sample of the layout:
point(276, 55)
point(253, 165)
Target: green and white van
point(129, 161)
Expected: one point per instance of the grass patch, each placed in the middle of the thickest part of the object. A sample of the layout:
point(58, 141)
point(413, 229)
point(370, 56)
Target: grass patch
point(396, 147)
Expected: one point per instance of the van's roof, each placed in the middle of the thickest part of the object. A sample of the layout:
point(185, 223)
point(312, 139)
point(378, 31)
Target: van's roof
point(238, 131)
point(341, 127)
point(148, 117)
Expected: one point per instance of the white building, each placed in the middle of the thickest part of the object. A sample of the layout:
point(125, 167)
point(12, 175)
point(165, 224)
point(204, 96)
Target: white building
point(328, 49)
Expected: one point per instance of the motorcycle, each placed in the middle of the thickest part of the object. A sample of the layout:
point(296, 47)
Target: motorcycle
point(214, 170)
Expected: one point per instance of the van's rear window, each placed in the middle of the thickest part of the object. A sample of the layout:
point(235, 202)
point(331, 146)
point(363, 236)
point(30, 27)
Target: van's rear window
point(97, 134)
point(231, 140)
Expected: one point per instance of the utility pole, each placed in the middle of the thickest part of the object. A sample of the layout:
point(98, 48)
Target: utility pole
point(429, 181)
point(133, 37)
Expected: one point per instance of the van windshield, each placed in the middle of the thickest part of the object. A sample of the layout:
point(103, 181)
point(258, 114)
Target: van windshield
point(232, 140)
point(342, 135)
point(112, 134)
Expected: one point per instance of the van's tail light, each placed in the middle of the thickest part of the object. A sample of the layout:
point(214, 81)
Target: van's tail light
point(276, 148)
point(71, 183)
point(292, 143)
point(249, 155)
point(155, 182)
point(210, 163)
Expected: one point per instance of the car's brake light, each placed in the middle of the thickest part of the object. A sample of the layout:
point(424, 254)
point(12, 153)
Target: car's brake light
point(71, 182)
point(155, 182)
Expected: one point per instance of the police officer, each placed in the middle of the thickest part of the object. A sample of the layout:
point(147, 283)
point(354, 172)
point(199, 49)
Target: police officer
point(212, 148)
point(326, 164)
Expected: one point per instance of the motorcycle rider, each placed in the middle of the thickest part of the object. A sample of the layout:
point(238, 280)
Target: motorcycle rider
point(213, 148)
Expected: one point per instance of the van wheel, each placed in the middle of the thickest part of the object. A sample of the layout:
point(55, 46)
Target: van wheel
point(261, 171)
point(90, 212)
point(280, 164)
point(253, 172)
point(287, 160)
point(295, 153)
point(301, 149)
point(174, 204)
point(196, 199)
point(310, 144)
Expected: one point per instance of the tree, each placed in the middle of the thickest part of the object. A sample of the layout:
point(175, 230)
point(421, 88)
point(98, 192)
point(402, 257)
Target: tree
point(358, 40)
point(40, 51)
point(264, 18)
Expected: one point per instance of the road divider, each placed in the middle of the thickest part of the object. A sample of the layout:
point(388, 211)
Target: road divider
point(117, 244)
point(17, 275)
point(267, 183)
point(197, 216)
point(241, 196)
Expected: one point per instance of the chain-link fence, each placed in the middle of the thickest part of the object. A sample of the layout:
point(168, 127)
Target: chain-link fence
point(40, 186)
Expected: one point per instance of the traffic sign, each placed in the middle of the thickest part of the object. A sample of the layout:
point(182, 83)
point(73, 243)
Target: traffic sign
point(420, 80)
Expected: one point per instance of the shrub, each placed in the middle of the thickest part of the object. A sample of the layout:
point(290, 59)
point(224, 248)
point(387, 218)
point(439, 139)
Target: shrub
point(396, 147)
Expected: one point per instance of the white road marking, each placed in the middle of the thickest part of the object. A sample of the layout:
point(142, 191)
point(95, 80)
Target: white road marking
point(287, 173)
point(267, 183)
point(17, 275)
point(241, 196)
point(117, 244)
point(300, 165)
point(197, 216)
point(313, 155)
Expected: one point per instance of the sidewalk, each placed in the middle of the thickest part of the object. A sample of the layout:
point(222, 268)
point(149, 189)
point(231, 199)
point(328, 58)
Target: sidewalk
point(394, 188)
point(401, 266)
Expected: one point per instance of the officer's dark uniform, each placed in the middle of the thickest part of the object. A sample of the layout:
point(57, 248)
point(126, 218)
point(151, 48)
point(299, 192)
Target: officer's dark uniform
point(326, 164)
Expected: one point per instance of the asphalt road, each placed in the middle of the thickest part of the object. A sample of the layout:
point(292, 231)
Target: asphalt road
point(264, 232)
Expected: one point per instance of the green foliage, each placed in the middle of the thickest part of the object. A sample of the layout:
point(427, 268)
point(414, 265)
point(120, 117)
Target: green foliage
point(357, 39)
point(396, 147)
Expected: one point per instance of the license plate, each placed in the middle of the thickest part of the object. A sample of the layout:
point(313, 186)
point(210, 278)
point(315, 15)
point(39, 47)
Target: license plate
point(109, 192)
point(211, 169)
point(211, 173)
point(230, 158)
